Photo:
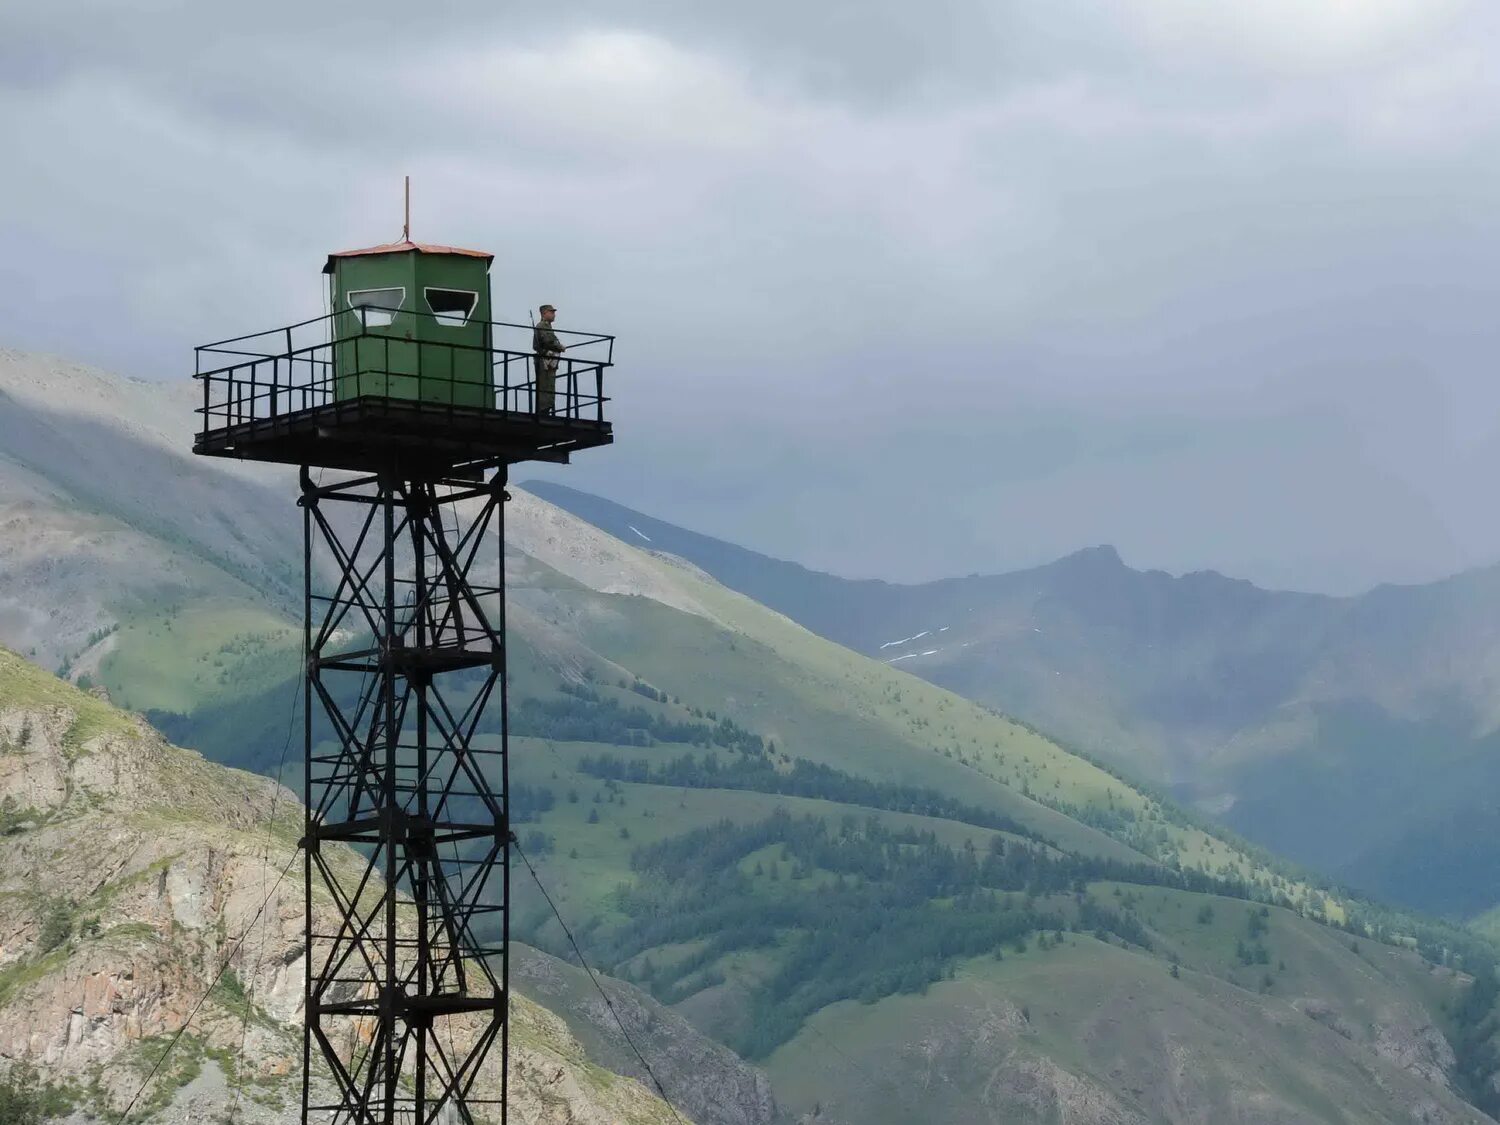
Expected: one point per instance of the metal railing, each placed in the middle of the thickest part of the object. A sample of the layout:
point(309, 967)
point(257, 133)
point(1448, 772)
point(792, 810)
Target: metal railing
point(341, 357)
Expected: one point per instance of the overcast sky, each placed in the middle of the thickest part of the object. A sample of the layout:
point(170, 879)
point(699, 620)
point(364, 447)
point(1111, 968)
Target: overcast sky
point(901, 289)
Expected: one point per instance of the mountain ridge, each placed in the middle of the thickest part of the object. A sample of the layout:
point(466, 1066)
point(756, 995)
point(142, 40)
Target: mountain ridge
point(1278, 712)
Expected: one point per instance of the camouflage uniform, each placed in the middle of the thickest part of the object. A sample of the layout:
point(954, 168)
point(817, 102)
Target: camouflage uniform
point(547, 347)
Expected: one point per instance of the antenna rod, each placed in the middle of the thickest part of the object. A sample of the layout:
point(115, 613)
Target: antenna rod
point(406, 214)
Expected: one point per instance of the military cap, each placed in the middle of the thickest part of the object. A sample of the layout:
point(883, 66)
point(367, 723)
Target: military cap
point(547, 308)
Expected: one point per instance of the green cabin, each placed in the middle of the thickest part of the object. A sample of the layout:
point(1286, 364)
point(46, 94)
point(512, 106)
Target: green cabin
point(412, 321)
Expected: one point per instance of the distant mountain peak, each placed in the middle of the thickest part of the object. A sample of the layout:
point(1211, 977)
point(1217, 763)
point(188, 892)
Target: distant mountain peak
point(1100, 560)
point(1104, 554)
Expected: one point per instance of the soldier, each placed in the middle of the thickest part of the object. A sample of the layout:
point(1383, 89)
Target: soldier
point(546, 348)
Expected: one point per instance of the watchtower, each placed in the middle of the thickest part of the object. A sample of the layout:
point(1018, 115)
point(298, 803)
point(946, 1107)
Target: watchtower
point(413, 403)
point(408, 308)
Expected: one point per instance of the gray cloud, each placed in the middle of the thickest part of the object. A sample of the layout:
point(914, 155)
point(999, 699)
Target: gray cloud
point(901, 290)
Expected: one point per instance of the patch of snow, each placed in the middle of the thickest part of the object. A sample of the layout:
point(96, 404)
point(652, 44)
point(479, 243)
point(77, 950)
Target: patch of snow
point(905, 640)
point(639, 532)
point(929, 652)
point(898, 659)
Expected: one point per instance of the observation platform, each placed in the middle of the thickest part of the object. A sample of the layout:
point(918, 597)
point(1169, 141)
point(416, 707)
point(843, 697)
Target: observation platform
point(373, 401)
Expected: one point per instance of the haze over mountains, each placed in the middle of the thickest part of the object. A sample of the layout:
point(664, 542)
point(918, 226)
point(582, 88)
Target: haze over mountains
point(810, 857)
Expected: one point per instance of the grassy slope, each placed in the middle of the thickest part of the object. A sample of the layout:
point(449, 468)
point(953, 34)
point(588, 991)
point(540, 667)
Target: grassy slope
point(868, 728)
point(1341, 733)
point(22, 684)
point(983, 1048)
point(1295, 1036)
point(820, 702)
point(176, 656)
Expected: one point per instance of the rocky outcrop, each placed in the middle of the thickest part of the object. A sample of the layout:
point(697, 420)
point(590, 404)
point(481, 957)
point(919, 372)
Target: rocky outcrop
point(129, 870)
point(1402, 1038)
point(703, 1078)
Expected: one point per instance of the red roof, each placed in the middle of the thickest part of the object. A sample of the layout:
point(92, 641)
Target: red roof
point(404, 248)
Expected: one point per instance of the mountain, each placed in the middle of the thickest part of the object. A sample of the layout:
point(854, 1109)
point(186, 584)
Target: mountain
point(104, 524)
point(899, 904)
point(1356, 735)
point(128, 869)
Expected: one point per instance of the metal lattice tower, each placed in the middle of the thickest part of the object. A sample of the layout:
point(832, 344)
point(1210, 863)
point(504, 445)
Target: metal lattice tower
point(408, 776)
point(407, 836)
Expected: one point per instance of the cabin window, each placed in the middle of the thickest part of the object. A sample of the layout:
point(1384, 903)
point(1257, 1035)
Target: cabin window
point(379, 306)
point(451, 306)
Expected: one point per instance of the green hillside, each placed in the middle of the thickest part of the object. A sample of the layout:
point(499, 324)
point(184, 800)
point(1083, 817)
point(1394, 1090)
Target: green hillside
point(1004, 1040)
point(762, 830)
point(1350, 734)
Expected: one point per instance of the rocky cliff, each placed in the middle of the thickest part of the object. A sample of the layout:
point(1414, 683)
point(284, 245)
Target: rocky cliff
point(128, 871)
